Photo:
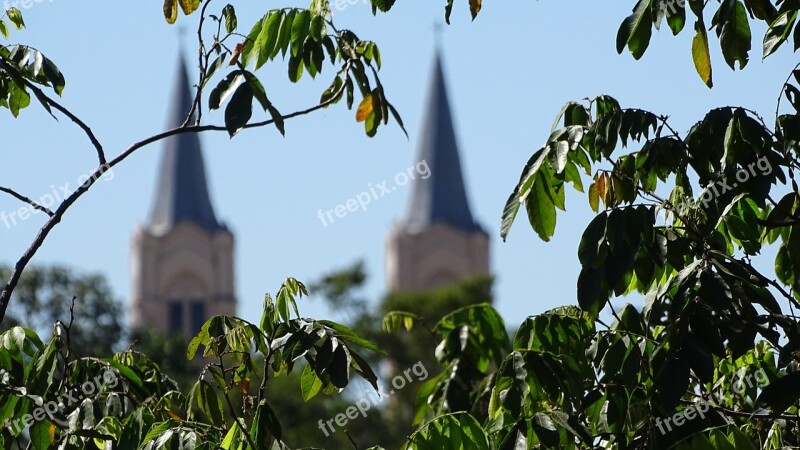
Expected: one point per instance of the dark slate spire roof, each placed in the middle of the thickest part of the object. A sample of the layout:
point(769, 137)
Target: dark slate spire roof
point(441, 198)
point(181, 192)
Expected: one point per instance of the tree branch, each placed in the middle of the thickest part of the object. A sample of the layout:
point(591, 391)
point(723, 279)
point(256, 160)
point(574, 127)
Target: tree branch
point(780, 94)
point(58, 214)
point(22, 82)
point(24, 199)
point(749, 267)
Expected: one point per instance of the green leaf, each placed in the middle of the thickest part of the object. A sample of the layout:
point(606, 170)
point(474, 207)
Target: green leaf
point(231, 439)
point(258, 89)
point(15, 16)
point(40, 435)
point(229, 15)
point(224, 89)
point(382, 5)
point(295, 68)
point(509, 214)
point(310, 383)
point(268, 38)
point(778, 31)
point(700, 55)
point(239, 110)
point(572, 175)
point(300, 26)
point(54, 75)
point(448, 9)
point(394, 320)
point(762, 9)
point(317, 29)
point(284, 34)
point(561, 156)
point(783, 266)
point(339, 370)
point(19, 100)
point(677, 20)
point(397, 118)
point(249, 48)
point(277, 118)
point(781, 393)
point(592, 240)
point(540, 207)
point(209, 402)
point(363, 368)
point(266, 427)
point(350, 336)
point(3, 28)
point(156, 430)
point(735, 37)
point(214, 67)
point(458, 431)
point(591, 293)
point(635, 30)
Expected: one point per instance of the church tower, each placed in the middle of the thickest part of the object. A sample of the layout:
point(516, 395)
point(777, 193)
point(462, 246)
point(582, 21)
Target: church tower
point(437, 242)
point(182, 258)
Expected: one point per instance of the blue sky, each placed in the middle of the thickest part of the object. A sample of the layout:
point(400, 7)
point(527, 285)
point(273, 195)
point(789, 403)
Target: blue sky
point(509, 72)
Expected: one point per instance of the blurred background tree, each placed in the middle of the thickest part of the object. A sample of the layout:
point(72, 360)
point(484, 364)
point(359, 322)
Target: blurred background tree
point(392, 420)
point(44, 295)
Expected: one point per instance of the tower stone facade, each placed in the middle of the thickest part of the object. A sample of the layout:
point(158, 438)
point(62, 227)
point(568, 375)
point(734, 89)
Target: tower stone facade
point(182, 267)
point(437, 242)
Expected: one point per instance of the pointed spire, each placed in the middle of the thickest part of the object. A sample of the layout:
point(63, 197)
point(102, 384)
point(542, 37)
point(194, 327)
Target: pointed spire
point(441, 198)
point(181, 190)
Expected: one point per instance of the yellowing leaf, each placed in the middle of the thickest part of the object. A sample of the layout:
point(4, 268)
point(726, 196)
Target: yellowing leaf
point(244, 386)
point(608, 198)
point(175, 416)
point(189, 6)
point(235, 55)
point(171, 10)
point(365, 108)
point(475, 8)
point(700, 55)
point(601, 186)
point(594, 197)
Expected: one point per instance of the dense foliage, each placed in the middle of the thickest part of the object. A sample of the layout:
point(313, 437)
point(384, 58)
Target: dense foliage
point(709, 362)
point(84, 303)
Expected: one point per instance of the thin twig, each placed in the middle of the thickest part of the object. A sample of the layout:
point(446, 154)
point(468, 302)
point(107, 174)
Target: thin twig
point(24, 199)
point(22, 82)
point(58, 214)
point(352, 441)
point(232, 410)
point(67, 331)
point(760, 276)
point(780, 94)
point(197, 105)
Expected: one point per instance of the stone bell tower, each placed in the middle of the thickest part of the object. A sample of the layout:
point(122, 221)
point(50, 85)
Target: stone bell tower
point(182, 269)
point(437, 242)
